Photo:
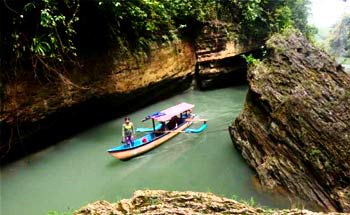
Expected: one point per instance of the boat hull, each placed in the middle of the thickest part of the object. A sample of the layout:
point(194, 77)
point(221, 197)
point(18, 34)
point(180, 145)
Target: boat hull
point(126, 152)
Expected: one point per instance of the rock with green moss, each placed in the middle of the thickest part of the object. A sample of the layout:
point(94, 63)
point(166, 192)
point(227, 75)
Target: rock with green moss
point(295, 126)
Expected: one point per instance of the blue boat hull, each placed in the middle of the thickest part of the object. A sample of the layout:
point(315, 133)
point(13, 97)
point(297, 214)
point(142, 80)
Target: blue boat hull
point(145, 143)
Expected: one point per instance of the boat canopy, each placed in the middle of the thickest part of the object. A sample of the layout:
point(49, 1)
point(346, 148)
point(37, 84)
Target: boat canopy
point(167, 114)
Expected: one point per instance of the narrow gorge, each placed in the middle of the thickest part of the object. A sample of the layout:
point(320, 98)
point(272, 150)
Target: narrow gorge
point(35, 115)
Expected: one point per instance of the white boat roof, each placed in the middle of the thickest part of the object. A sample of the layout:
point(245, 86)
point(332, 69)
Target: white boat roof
point(167, 114)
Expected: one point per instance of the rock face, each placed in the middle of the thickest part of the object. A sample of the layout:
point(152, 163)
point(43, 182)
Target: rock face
point(295, 126)
point(35, 115)
point(218, 48)
point(167, 202)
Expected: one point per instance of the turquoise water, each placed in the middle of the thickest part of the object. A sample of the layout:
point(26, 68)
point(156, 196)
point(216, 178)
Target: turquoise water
point(78, 170)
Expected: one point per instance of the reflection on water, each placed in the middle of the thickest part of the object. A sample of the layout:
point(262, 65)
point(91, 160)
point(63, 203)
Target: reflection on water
point(79, 170)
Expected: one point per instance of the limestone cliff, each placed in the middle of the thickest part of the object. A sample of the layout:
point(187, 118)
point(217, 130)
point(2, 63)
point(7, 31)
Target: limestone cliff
point(36, 113)
point(218, 48)
point(295, 126)
point(172, 202)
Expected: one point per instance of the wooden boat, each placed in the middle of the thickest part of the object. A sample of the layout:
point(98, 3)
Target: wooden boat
point(156, 136)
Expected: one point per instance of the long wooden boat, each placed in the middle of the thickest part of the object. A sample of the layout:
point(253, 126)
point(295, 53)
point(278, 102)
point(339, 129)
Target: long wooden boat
point(156, 137)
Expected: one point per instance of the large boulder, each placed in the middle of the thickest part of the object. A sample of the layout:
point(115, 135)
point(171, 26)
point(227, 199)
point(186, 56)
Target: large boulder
point(295, 126)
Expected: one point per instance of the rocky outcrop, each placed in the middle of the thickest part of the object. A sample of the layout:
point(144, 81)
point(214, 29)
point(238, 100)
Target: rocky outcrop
point(218, 48)
point(172, 202)
point(295, 126)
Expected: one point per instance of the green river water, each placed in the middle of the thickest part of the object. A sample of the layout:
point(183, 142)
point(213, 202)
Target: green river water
point(78, 170)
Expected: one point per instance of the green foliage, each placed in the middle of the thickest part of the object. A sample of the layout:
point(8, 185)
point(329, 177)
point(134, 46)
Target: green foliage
point(260, 18)
point(252, 9)
point(43, 32)
point(315, 152)
point(282, 18)
point(250, 59)
point(137, 24)
point(250, 17)
point(300, 12)
point(234, 197)
point(251, 201)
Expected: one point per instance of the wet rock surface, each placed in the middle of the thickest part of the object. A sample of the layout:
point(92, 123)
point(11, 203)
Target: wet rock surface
point(172, 202)
point(295, 126)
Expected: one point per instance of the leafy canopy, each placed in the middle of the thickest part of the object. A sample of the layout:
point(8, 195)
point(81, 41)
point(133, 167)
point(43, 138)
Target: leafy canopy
point(48, 35)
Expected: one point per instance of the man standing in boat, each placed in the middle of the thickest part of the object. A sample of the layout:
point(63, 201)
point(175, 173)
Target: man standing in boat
point(128, 131)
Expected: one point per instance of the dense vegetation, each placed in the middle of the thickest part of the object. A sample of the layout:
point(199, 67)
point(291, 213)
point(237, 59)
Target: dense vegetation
point(48, 37)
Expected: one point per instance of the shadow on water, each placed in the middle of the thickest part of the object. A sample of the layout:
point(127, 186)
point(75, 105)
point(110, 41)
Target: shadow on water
point(114, 163)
